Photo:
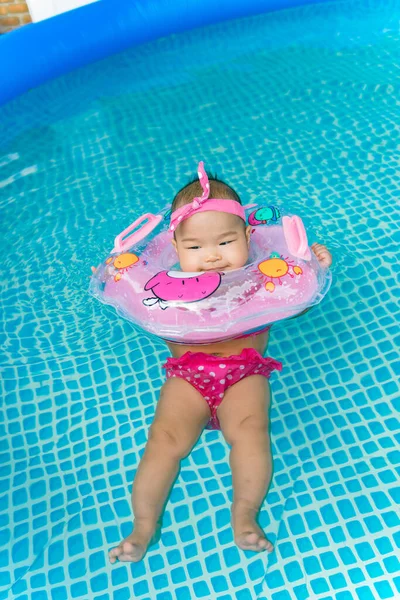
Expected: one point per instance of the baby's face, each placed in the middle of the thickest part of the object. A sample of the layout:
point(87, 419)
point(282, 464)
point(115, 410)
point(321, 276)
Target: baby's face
point(212, 241)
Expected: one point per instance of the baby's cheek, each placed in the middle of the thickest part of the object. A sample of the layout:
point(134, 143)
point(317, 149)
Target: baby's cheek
point(183, 256)
point(239, 256)
point(188, 262)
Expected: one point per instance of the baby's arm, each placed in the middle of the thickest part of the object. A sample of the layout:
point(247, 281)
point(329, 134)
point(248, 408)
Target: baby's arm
point(324, 258)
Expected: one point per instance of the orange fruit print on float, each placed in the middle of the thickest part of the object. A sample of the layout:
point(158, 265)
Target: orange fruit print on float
point(122, 263)
point(276, 267)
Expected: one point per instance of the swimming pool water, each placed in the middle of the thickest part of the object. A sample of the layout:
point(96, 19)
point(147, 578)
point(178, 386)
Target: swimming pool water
point(298, 108)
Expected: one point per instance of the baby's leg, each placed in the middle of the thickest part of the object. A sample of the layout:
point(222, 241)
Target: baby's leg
point(244, 420)
point(180, 418)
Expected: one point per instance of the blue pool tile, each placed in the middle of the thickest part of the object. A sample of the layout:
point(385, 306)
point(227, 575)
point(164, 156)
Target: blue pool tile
point(81, 385)
point(201, 590)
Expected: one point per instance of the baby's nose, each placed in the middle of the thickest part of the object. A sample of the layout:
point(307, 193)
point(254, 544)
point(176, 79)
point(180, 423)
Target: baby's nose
point(213, 257)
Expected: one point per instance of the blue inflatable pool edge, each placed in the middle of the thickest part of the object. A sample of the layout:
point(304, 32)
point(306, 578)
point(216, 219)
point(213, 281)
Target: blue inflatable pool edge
point(41, 51)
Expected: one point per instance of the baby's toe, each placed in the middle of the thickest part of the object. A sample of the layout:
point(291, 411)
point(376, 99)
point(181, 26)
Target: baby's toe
point(269, 547)
point(265, 544)
point(254, 541)
point(114, 554)
point(126, 552)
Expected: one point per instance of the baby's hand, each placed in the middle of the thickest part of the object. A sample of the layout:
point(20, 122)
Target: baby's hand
point(323, 255)
point(93, 269)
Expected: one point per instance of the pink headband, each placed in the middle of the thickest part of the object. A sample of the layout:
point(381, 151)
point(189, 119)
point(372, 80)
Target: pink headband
point(204, 203)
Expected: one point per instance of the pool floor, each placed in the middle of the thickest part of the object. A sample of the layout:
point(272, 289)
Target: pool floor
point(299, 109)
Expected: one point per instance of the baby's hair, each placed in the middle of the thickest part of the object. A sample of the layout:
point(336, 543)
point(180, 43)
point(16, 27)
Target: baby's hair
point(193, 189)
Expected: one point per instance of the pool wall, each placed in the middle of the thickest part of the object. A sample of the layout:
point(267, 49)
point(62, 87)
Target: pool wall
point(42, 51)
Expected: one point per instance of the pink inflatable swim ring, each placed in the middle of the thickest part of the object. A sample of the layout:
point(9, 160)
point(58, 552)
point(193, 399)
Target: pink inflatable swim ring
point(140, 278)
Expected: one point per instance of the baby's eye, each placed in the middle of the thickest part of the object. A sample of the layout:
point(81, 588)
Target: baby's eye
point(227, 242)
point(193, 247)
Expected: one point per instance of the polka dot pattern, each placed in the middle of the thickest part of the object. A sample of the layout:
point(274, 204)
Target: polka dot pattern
point(249, 362)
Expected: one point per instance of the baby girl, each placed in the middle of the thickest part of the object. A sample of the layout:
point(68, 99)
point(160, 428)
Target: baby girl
point(210, 234)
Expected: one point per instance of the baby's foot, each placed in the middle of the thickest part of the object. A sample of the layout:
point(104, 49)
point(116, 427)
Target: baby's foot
point(248, 534)
point(323, 255)
point(134, 547)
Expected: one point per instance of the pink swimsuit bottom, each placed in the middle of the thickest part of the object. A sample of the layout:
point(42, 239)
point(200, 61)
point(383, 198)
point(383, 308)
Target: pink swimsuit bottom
point(213, 375)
